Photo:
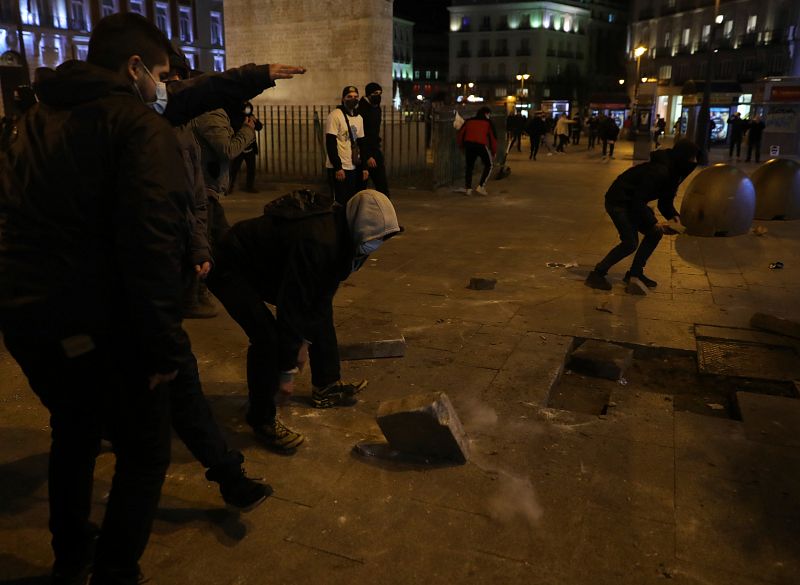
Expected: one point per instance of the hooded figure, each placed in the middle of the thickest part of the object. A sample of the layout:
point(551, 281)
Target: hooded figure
point(627, 204)
point(293, 257)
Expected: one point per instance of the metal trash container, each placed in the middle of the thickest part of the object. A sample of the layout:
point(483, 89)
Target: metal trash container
point(777, 184)
point(720, 201)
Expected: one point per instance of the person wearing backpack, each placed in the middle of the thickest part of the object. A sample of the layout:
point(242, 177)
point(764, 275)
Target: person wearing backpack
point(294, 257)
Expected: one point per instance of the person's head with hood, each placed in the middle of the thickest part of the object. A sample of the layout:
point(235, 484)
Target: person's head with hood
point(374, 93)
point(372, 220)
point(350, 99)
point(684, 155)
point(132, 46)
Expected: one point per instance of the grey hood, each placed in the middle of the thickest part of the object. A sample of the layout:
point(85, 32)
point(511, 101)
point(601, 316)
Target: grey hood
point(370, 216)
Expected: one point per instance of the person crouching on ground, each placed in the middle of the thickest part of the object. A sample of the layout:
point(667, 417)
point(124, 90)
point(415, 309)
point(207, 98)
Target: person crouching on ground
point(479, 140)
point(627, 205)
point(293, 257)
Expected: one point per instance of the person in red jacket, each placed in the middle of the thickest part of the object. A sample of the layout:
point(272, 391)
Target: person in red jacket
point(478, 139)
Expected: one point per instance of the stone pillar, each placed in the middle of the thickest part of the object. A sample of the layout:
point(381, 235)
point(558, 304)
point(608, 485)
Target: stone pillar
point(340, 43)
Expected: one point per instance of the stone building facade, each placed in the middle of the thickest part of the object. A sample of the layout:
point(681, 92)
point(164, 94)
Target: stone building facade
point(339, 43)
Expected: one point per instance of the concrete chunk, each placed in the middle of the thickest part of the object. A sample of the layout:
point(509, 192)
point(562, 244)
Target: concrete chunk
point(365, 339)
point(482, 283)
point(770, 419)
point(775, 324)
point(424, 424)
point(601, 359)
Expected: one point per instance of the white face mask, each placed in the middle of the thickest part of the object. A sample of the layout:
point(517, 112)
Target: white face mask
point(161, 94)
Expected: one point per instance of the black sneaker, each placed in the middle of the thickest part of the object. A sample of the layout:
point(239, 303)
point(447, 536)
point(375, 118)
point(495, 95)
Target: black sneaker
point(238, 490)
point(597, 280)
point(648, 282)
point(337, 394)
point(279, 438)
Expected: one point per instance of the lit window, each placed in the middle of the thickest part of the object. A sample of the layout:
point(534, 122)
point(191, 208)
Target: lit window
point(108, 7)
point(611, 17)
point(136, 6)
point(81, 52)
point(77, 15)
point(751, 23)
point(728, 30)
point(687, 34)
point(185, 24)
point(706, 32)
point(162, 18)
point(191, 58)
point(219, 63)
point(427, 75)
point(217, 37)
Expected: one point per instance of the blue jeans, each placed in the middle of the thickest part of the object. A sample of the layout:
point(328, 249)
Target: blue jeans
point(630, 221)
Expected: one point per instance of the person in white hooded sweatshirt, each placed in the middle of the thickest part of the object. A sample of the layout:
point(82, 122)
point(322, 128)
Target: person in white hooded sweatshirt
point(293, 257)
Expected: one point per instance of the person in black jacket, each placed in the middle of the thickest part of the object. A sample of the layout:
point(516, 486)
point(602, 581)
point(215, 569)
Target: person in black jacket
point(94, 234)
point(293, 257)
point(626, 204)
point(609, 132)
point(536, 130)
point(736, 128)
point(369, 108)
point(755, 129)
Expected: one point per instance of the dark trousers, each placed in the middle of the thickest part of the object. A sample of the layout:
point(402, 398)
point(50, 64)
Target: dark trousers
point(592, 140)
point(193, 421)
point(218, 224)
point(576, 138)
point(562, 142)
point(754, 146)
point(536, 141)
point(473, 151)
point(629, 221)
point(97, 394)
point(736, 142)
point(342, 191)
point(608, 147)
point(247, 308)
point(378, 176)
point(517, 139)
point(249, 158)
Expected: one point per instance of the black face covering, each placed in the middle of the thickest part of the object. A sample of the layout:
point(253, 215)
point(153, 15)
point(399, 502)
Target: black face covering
point(375, 100)
point(351, 105)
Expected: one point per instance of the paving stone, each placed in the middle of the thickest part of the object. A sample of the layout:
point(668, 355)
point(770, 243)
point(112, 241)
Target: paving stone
point(776, 324)
point(424, 424)
point(368, 338)
point(737, 334)
point(770, 419)
point(604, 360)
point(482, 283)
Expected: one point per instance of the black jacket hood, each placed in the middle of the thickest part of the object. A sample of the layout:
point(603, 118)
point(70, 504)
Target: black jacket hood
point(77, 82)
point(678, 159)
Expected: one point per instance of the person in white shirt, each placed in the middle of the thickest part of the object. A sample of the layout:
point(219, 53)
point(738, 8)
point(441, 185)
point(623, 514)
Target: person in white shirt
point(346, 148)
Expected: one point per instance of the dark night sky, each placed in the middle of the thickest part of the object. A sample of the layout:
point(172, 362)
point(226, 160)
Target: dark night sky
point(429, 15)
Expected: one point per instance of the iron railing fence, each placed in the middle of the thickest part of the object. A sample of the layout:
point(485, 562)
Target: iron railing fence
point(419, 143)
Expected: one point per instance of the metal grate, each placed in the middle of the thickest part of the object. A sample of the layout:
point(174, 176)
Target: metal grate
point(745, 360)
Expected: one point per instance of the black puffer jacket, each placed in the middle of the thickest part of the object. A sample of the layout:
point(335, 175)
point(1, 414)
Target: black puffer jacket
point(658, 179)
point(94, 219)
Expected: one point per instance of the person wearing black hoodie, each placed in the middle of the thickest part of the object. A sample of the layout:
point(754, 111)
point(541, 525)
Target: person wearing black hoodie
point(626, 203)
point(369, 108)
point(94, 234)
point(294, 257)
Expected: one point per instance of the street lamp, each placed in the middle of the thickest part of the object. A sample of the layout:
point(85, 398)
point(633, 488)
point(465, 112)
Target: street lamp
point(622, 82)
point(703, 136)
point(637, 52)
point(463, 88)
point(522, 78)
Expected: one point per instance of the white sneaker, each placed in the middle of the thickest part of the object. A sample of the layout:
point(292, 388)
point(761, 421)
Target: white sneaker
point(604, 157)
point(464, 190)
point(549, 154)
point(481, 190)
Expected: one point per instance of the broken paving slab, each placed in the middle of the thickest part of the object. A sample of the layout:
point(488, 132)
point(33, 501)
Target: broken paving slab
point(426, 425)
point(476, 283)
point(745, 335)
point(364, 339)
point(770, 419)
point(601, 359)
point(776, 324)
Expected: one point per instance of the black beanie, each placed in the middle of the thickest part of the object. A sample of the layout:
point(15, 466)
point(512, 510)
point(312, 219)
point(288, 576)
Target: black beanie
point(371, 87)
point(348, 89)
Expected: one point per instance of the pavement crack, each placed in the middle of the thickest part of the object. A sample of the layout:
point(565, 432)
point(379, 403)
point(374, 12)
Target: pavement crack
point(322, 550)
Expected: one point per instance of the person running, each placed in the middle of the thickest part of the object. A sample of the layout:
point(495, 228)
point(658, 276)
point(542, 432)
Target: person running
point(478, 139)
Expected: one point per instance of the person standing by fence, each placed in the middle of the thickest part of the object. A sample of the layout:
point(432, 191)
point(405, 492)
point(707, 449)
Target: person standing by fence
point(346, 147)
point(478, 139)
point(248, 155)
point(369, 108)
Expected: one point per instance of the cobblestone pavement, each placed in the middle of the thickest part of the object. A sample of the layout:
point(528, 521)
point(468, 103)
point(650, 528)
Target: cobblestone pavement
point(644, 492)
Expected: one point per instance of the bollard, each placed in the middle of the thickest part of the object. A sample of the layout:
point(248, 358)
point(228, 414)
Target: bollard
point(777, 184)
point(720, 201)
